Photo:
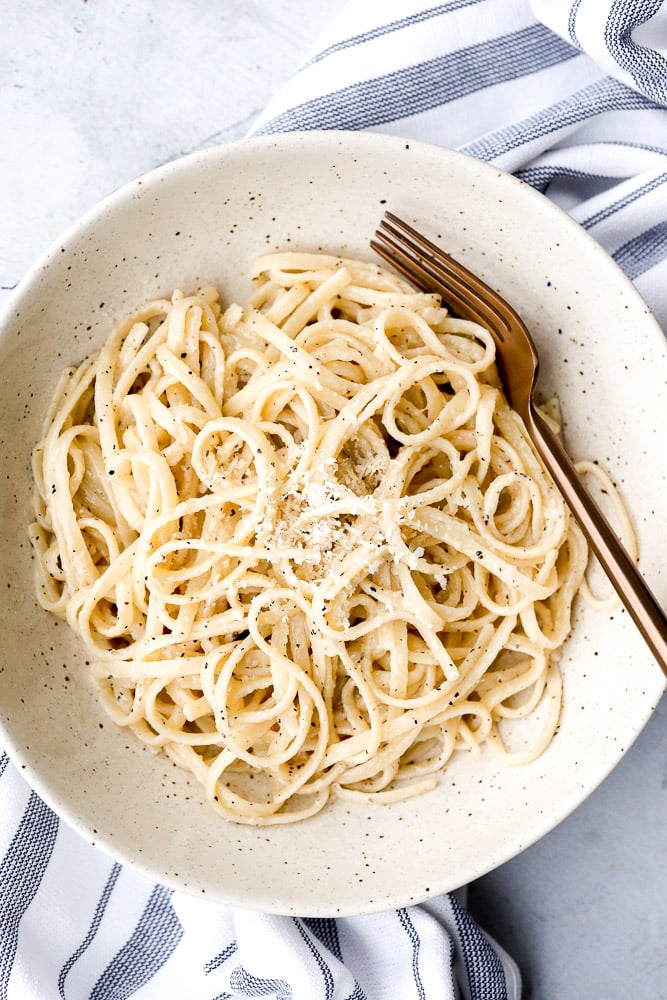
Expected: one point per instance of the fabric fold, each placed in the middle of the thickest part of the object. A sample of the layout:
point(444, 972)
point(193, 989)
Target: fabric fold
point(627, 40)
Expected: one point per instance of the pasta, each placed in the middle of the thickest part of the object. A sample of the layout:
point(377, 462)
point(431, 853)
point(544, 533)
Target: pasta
point(305, 541)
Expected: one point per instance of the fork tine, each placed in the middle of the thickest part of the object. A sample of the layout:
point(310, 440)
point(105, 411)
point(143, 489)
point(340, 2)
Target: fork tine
point(416, 257)
point(397, 256)
point(453, 266)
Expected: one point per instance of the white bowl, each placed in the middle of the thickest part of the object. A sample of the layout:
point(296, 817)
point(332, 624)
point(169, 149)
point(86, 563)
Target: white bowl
point(201, 220)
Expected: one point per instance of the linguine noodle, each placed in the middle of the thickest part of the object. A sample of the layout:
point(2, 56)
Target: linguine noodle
point(308, 546)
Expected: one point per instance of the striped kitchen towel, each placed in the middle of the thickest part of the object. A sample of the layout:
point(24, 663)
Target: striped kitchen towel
point(571, 96)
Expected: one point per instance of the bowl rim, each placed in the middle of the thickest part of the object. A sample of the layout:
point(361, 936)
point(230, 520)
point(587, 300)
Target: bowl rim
point(164, 171)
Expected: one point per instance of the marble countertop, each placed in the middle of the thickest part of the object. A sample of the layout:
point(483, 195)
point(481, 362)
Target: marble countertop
point(94, 93)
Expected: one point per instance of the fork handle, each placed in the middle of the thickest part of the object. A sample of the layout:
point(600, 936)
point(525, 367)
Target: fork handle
point(627, 581)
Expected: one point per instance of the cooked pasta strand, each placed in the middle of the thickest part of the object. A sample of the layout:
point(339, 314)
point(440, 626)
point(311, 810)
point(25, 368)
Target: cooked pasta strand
point(307, 544)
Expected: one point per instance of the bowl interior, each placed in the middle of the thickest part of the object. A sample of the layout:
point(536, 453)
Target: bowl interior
point(201, 221)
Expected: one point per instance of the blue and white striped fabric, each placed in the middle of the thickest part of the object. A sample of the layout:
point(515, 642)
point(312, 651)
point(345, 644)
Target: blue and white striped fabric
point(571, 95)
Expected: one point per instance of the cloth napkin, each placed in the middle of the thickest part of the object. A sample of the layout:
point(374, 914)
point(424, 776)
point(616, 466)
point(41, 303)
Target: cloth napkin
point(570, 95)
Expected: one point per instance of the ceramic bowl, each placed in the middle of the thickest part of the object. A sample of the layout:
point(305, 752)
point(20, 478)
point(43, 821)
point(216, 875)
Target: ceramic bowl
point(201, 220)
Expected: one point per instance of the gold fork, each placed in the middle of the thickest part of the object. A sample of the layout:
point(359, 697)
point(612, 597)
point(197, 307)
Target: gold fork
point(428, 267)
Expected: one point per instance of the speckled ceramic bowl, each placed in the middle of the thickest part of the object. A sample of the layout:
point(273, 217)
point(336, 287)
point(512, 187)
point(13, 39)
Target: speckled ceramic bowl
point(201, 220)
